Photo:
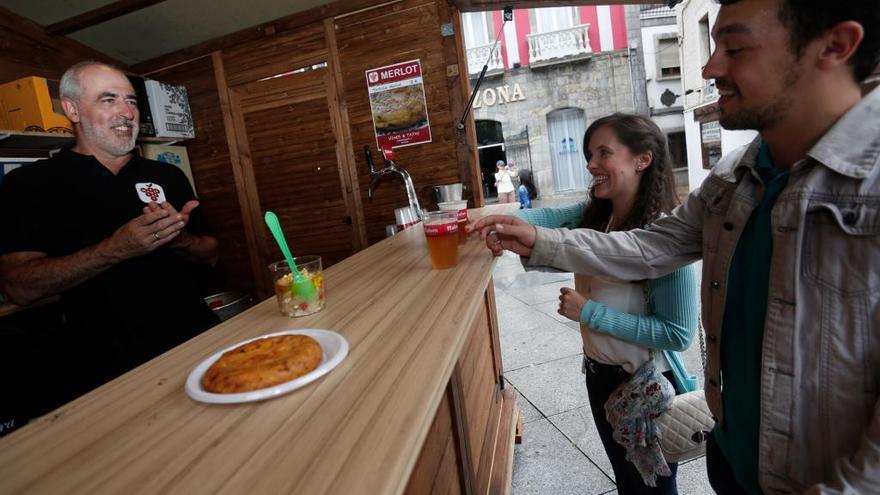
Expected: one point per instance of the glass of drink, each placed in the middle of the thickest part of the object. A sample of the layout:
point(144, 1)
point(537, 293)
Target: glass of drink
point(460, 207)
point(290, 301)
point(441, 230)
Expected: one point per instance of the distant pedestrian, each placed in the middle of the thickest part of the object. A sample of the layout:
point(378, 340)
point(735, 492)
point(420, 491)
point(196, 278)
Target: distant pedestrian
point(504, 182)
point(527, 190)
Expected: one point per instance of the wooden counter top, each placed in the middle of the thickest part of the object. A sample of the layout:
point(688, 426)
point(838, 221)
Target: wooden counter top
point(357, 430)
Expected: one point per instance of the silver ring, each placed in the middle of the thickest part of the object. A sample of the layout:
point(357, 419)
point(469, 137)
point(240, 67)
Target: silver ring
point(156, 235)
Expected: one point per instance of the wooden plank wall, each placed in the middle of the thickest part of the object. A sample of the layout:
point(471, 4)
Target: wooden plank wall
point(382, 36)
point(213, 174)
point(28, 51)
point(373, 36)
point(351, 37)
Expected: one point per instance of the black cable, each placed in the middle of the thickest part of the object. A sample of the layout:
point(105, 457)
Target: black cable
point(508, 15)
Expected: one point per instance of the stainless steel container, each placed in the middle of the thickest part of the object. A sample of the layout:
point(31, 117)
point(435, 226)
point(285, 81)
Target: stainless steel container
point(228, 304)
point(448, 192)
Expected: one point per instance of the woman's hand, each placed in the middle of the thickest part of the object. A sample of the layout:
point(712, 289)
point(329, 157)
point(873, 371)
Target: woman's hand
point(505, 232)
point(571, 303)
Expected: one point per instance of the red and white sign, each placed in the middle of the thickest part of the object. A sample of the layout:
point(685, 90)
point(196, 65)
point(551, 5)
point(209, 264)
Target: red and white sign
point(438, 229)
point(397, 101)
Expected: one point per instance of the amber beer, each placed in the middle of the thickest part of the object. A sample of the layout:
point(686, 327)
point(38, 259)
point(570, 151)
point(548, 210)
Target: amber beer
point(460, 207)
point(441, 230)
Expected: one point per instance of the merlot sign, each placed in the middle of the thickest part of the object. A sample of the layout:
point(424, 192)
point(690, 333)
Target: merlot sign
point(397, 102)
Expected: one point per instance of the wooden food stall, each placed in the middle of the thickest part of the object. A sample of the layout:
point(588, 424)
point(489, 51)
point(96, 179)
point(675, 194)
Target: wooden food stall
point(418, 406)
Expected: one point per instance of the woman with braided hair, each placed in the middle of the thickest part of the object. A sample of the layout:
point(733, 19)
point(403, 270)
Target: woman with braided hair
point(623, 322)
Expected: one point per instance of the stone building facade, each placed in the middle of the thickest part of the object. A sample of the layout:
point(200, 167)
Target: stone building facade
point(591, 88)
point(532, 113)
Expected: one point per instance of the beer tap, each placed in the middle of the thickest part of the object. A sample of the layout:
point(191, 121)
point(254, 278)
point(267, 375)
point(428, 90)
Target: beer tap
point(391, 168)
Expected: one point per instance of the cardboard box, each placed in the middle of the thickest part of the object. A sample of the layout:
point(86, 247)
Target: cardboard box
point(26, 105)
point(147, 128)
point(169, 106)
point(175, 155)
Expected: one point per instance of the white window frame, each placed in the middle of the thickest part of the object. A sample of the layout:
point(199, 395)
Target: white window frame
point(477, 28)
point(549, 19)
point(658, 55)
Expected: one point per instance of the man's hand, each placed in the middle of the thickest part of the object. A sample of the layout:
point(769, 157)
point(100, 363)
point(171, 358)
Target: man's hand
point(505, 232)
point(146, 233)
point(184, 239)
point(196, 248)
point(571, 303)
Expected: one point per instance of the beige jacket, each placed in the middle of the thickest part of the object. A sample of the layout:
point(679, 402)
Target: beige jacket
point(820, 417)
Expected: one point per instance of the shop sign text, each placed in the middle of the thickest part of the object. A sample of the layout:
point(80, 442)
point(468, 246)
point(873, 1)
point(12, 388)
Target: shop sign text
point(500, 95)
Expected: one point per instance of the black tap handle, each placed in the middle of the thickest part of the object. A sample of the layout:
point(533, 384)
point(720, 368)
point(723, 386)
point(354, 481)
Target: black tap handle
point(369, 156)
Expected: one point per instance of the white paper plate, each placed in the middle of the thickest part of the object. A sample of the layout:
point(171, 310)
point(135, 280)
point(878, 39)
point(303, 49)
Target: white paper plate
point(334, 348)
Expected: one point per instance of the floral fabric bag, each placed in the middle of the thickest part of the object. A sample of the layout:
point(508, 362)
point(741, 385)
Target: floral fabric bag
point(631, 411)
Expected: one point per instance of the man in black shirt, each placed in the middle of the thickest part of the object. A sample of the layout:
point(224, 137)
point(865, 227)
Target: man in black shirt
point(114, 234)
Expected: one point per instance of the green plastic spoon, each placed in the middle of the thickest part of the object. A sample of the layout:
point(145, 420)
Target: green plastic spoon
point(301, 285)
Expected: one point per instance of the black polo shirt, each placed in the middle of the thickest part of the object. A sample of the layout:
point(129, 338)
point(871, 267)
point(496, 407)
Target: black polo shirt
point(133, 311)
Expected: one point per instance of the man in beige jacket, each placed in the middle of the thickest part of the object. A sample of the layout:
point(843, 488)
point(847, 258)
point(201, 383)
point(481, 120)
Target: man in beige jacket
point(789, 232)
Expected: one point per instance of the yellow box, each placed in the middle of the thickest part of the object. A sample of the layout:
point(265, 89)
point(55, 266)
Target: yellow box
point(26, 105)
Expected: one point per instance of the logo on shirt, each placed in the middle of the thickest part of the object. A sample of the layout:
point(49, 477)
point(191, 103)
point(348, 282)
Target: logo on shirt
point(150, 192)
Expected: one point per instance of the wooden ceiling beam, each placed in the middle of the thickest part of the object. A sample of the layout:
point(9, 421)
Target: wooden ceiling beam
point(287, 23)
point(48, 55)
point(97, 16)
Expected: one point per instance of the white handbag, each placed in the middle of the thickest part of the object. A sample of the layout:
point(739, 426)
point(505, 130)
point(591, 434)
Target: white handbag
point(683, 428)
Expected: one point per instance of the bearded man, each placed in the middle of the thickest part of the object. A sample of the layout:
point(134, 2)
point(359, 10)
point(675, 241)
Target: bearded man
point(788, 229)
point(113, 234)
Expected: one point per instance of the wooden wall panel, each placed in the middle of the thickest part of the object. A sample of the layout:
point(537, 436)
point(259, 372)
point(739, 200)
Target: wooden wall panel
point(480, 389)
point(212, 172)
point(381, 36)
point(28, 51)
point(436, 470)
point(276, 54)
point(294, 162)
point(359, 37)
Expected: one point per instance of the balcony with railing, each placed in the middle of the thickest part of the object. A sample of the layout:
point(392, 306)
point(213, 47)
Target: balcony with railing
point(564, 45)
point(478, 55)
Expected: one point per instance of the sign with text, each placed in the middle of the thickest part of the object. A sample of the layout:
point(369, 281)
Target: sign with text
point(397, 102)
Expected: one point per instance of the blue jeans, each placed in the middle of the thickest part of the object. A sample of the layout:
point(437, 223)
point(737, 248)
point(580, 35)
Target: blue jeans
point(602, 380)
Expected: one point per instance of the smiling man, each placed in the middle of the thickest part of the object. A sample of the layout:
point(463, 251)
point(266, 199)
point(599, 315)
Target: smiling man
point(788, 229)
point(113, 234)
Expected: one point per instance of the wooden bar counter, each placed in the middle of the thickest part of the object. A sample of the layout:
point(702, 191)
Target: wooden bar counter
point(416, 407)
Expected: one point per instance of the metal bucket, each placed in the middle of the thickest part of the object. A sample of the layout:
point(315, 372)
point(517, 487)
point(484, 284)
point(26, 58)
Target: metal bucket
point(448, 192)
point(228, 304)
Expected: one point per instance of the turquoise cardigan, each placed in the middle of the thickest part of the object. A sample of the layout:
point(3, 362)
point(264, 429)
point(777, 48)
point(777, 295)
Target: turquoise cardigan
point(672, 304)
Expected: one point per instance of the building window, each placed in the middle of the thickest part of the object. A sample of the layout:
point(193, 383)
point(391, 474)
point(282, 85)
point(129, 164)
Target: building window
point(677, 149)
point(555, 18)
point(566, 132)
point(477, 28)
point(668, 61)
point(705, 41)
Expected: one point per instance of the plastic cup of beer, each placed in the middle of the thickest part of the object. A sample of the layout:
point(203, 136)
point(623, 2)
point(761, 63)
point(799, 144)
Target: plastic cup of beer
point(290, 302)
point(460, 207)
point(441, 230)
